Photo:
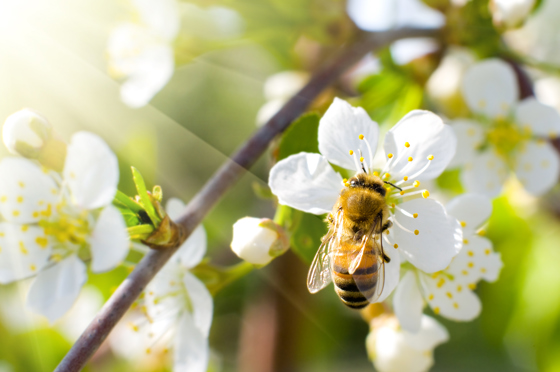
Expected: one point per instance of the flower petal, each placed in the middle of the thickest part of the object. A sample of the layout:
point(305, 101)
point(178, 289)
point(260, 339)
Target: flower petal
point(24, 251)
point(427, 135)
point(408, 303)
point(56, 288)
point(449, 298)
point(537, 167)
point(201, 302)
point(470, 135)
point(392, 274)
point(472, 210)
point(542, 119)
point(339, 129)
point(428, 241)
point(306, 182)
point(490, 88)
point(485, 174)
point(191, 347)
point(431, 334)
point(476, 260)
point(193, 249)
point(162, 16)
point(26, 192)
point(109, 240)
point(91, 171)
point(174, 208)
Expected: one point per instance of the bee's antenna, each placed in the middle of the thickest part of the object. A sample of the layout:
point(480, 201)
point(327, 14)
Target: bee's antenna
point(396, 187)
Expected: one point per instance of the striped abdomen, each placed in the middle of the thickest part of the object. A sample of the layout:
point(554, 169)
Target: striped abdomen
point(354, 290)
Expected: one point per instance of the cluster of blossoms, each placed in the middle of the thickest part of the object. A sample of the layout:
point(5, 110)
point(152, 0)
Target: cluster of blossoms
point(54, 221)
point(436, 257)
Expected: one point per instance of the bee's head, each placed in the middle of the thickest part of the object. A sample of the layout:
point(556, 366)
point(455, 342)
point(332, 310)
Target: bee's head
point(368, 182)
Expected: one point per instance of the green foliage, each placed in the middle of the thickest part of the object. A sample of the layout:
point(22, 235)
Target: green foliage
point(450, 180)
point(306, 231)
point(301, 136)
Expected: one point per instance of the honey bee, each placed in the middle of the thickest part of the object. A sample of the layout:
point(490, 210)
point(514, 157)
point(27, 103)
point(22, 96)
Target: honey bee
point(351, 253)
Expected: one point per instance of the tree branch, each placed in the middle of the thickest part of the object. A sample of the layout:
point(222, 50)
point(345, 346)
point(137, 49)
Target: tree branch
point(216, 187)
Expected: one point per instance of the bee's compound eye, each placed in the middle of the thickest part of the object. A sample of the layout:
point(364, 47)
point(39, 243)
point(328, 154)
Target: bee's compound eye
point(353, 183)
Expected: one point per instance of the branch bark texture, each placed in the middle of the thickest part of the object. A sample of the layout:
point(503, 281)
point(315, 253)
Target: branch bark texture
point(216, 187)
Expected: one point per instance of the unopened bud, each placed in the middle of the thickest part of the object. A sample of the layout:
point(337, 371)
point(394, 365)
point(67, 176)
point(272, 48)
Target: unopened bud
point(510, 13)
point(26, 132)
point(258, 240)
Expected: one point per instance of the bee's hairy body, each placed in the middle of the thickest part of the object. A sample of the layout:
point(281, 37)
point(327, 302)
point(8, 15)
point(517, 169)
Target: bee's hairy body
point(362, 206)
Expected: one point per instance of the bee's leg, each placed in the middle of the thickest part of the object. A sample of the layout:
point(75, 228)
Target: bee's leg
point(387, 225)
point(386, 258)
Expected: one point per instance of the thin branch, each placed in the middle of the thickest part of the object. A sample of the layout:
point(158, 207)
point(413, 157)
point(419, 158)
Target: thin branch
point(215, 188)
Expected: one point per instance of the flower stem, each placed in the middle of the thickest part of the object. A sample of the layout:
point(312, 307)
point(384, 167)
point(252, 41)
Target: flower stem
point(232, 274)
point(216, 187)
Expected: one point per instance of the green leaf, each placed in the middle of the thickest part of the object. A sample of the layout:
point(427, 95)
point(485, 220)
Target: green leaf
point(129, 216)
point(144, 197)
point(121, 199)
point(306, 237)
point(450, 180)
point(300, 136)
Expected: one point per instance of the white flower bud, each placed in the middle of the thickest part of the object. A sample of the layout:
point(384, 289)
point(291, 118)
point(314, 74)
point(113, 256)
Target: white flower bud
point(393, 349)
point(26, 132)
point(510, 13)
point(258, 240)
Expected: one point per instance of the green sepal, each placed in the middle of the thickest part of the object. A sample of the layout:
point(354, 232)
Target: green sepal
point(145, 199)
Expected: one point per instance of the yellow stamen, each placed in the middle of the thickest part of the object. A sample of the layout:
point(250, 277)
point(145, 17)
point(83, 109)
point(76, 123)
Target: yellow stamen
point(351, 152)
point(436, 310)
point(430, 157)
point(470, 253)
point(405, 178)
point(410, 158)
point(431, 297)
point(416, 183)
point(390, 155)
point(415, 215)
point(346, 184)
point(449, 295)
point(463, 224)
point(361, 159)
point(386, 175)
point(376, 173)
point(416, 232)
point(361, 136)
point(472, 286)
point(406, 144)
point(396, 246)
point(465, 241)
point(425, 194)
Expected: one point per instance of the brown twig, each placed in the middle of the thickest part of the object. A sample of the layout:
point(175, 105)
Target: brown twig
point(215, 188)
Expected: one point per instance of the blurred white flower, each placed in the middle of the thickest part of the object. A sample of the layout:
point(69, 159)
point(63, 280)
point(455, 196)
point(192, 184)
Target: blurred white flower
point(25, 132)
point(48, 220)
point(547, 91)
point(278, 89)
point(506, 134)
point(383, 15)
point(142, 53)
point(510, 13)
point(450, 292)
point(258, 240)
point(393, 349)
point(418, 148)
point(177, 307)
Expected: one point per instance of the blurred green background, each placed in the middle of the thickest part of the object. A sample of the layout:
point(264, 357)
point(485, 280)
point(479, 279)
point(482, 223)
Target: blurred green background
point(53, 59)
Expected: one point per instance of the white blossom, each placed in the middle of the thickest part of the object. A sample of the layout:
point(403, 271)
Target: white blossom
point(48, 220)
point(25, 133)
point(258, 240)
point(393, 349)
point(177, 306)
point(142, 53)
point(418, 148)
point(510, 13)
point(450, 292)
point(506, 135)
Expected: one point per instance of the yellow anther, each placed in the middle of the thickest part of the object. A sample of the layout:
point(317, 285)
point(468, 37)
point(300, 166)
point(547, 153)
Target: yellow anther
point(459, 288)
point(471, 132)
point(376, 173)
point(33, 267)
point(387, 232)
point(472, 286)
point(483, 270)
point(405, 178)
point(24, 228)
point(406, 144)
point(430, 157)
point(347, 184)
point(449, 295)
point(396, 246)
point(463, 224)
point(440, 283)
point(487, 251)
point(392, 205)
point(22, 248)
point(56, 257)
point(465, 241)
point(148, 351)
point(431, 297)
point(410, 158)
point(436, 310)
point(351, 152)
point(481, 232)
point(425, 194)
point(470, 253)
point(402, 192)
point(390, 155)
point(361, 159)
point(344, 180)
point(416, 183)
point(3, 198)
point(416, 232)
point(386, 175)
point(455, 305)
point(361, 136)
point(134, 327)
point(15, 213)
point(465, 272)
point(20, 199)
point(21, 184)
point(415, 215)
point(471, 264)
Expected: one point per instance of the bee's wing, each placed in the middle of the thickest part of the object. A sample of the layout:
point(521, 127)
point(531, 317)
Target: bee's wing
point(319, 275)
point(368, 267)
